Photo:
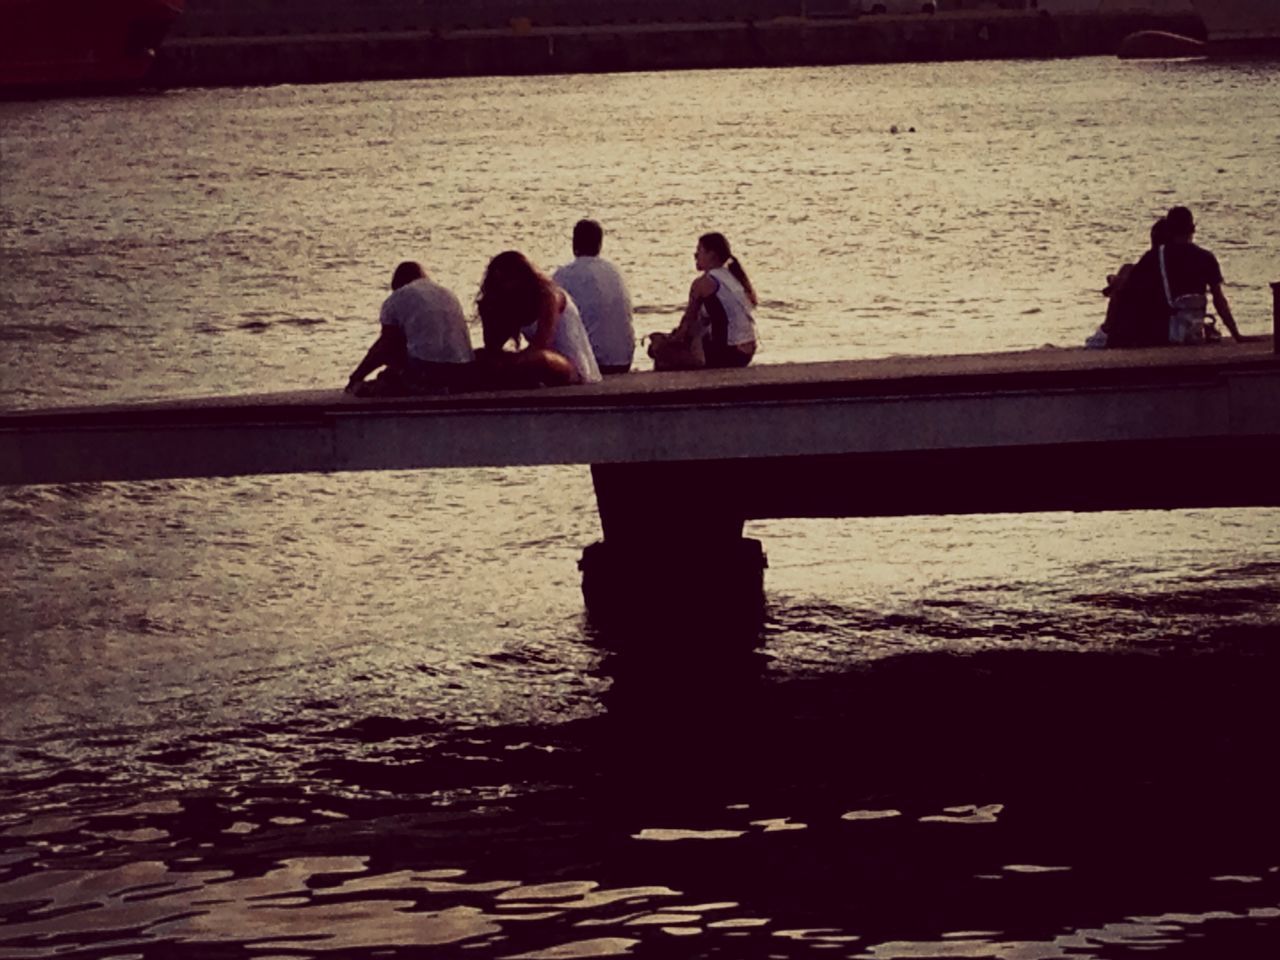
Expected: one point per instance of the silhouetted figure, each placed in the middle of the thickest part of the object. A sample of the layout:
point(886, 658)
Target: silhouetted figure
point(1168, 283)
point(1188, 269)
point(1117, 328)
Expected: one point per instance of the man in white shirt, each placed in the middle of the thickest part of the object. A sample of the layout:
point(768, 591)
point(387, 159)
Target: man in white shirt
point(424, 342)
point(598, 289)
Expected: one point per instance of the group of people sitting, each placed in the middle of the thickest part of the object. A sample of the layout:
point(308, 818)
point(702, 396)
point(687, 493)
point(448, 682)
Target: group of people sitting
point(576, 325)
point(1162, 298)
point(572, 327)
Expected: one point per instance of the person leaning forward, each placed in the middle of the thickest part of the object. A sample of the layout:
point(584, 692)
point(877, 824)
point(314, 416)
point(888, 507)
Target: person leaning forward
point(1122, 326)
point(516, 300)
point(424, 345)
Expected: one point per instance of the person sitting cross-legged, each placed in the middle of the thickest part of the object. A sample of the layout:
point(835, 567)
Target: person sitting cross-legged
point(718, 328)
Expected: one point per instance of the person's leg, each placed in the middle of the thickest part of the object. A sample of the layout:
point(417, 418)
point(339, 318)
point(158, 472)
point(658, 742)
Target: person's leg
point(424, 378)
point(674, 353)
point(390, 382)
point(735, 356)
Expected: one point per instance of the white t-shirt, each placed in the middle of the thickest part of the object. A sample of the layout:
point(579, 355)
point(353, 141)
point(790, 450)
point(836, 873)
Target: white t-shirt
point(737, 306)
point(598, 289)
point(570, 339)
point(435, 328)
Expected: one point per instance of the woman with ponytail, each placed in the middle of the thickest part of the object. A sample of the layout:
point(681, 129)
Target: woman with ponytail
point(718, 328)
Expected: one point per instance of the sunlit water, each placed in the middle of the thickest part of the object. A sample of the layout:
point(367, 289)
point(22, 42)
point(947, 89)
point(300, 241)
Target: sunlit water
point(360, 715)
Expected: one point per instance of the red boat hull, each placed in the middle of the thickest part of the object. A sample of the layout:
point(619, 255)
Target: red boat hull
point(80, 44)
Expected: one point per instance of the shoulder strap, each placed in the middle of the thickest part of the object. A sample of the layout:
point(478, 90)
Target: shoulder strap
point(1164, 275)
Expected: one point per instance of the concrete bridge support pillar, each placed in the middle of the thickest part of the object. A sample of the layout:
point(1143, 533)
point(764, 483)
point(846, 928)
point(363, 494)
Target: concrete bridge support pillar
point(673, 558)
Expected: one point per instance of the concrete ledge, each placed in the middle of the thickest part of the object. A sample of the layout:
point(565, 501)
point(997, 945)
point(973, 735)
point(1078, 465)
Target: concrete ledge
point(1033, 399)
point(1067, 368)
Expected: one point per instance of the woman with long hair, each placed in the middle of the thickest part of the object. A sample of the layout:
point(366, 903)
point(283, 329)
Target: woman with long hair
point(718, 328)
point(517, 300)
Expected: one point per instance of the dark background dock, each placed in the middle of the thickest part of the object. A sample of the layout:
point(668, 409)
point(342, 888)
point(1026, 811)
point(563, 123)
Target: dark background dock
point(232, 42)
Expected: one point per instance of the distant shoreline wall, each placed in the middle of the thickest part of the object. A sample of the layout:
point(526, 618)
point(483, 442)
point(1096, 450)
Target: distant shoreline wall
point(524, 48)
point(247, 18)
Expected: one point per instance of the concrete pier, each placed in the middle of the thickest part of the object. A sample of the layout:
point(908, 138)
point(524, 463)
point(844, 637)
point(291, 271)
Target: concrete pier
point(681, 460)
point(903, 405)
point(673, 528)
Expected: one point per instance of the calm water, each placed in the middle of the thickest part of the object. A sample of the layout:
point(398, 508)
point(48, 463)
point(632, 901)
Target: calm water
point(362, 715)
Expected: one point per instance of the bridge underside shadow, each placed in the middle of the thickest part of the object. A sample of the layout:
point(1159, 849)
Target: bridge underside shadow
point(673, 530)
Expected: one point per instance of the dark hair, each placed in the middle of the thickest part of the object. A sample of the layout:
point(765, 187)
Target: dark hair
point(587, 238)
point(513, 294)
point(1180, 222)
point(1159, 233)
point(717, 244)
point(406, 273)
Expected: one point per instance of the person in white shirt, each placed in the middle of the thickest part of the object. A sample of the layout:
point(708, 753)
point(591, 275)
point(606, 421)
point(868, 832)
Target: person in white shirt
point(424, 343)
point(517, 300)
point(718, 328)
point(597, 287)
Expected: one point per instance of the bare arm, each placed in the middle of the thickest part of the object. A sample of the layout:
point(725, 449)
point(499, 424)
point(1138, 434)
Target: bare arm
point(1224, 311)
point(699, 290)
point(388, 348)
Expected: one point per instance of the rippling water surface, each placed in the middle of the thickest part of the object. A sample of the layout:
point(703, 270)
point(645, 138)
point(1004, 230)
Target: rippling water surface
point(362, 715)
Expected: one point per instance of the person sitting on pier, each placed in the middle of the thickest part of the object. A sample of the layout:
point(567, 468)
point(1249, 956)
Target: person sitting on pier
point(718, 328)
point(1191, 269)
point(515, 300)
point(1121, 327)
point(424, 345)
point(1167, 273)
point(597, 287)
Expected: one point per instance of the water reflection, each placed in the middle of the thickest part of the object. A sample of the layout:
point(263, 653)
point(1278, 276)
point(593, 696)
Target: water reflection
point(953, 802)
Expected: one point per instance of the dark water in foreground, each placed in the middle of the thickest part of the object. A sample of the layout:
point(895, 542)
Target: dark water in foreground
point(362, 715)
point(217, 744)
point(1008, 803)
